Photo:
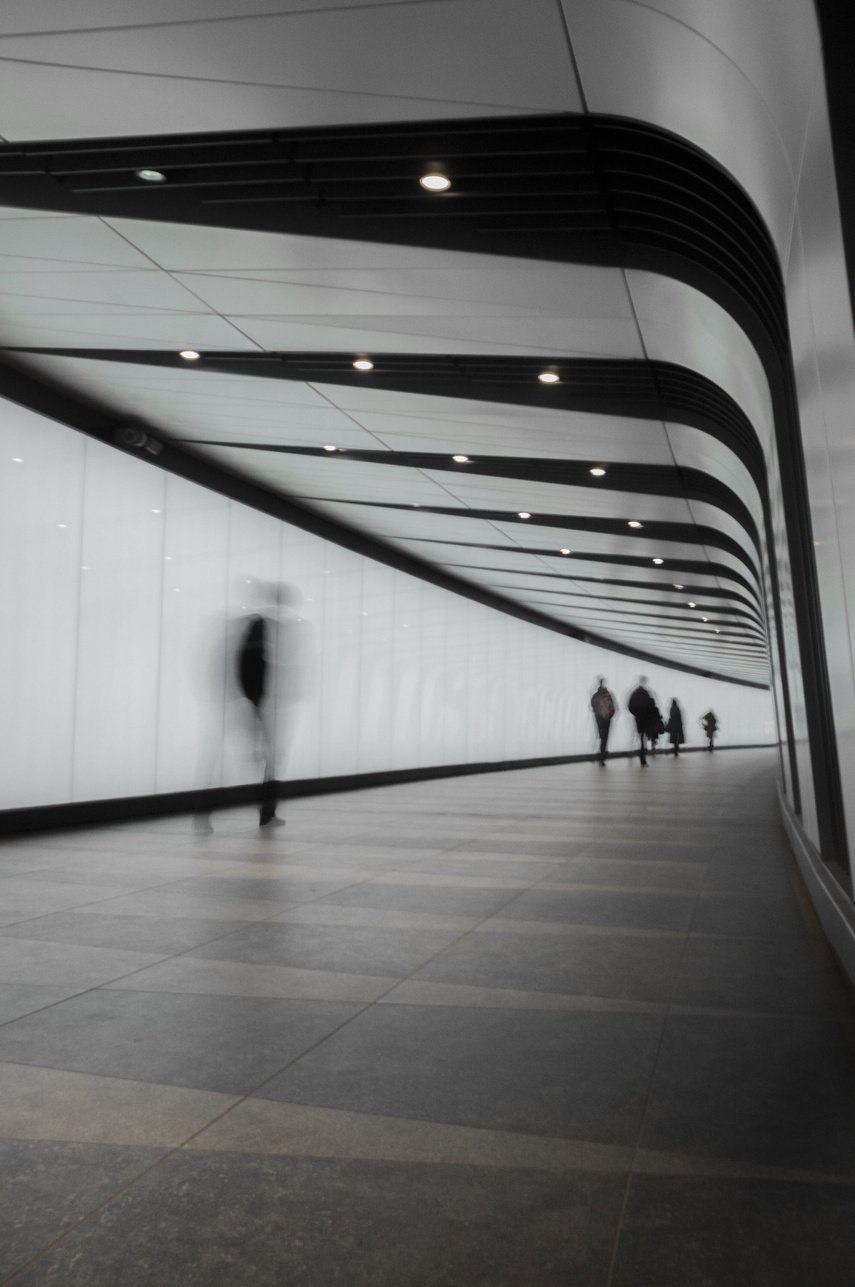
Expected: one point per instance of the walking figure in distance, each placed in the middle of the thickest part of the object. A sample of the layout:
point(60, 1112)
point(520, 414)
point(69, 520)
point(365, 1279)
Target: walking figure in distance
point(710, 727)
point(674, 727)
point(604, 708)
point(647, 718)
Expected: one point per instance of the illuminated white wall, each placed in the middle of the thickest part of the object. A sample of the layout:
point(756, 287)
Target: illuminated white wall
point(124, 590)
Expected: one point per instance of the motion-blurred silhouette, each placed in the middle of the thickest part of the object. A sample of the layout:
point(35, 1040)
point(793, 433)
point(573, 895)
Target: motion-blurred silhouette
point(643, 707)
point(709, 723)
point(604, 708)
point(257, 675)
point(674, 727)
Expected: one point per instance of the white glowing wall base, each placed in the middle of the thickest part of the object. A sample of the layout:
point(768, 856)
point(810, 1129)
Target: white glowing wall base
point(124, 589)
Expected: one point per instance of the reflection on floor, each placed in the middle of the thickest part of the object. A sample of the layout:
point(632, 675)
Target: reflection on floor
point(558, 1026)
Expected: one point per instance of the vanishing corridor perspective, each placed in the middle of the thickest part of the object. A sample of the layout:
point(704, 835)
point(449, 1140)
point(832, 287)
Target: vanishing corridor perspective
point(427, 771)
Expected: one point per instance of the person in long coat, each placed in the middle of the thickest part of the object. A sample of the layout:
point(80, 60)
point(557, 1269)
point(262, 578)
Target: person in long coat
point(674, 727)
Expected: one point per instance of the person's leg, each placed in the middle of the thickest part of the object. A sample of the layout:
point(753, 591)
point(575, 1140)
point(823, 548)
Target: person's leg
point(603, 730)
point(269, 785)
point(642, 755)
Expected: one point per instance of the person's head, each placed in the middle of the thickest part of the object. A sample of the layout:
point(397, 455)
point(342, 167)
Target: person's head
point(642, 679)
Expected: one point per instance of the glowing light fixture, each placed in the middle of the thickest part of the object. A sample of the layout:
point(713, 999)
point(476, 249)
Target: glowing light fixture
point(328, 446)
point(461, 460)
point(565, 551)
point(18, 460)
point(363, 364)
point(523, 514)
point(598, 472)
point(678, 587)
point(692, 605)
point(658, 562)
point(151, 176)
point(548, 377)
point(435, 182)
point(633, 522)
point(189, 355)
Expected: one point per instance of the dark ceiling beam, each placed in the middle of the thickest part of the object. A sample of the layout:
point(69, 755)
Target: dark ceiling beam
point(656, 480)
point(678, 533)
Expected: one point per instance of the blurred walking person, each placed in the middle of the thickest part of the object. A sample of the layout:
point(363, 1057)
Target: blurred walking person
point(674, 727)
point(642, 706)
point(709, 723)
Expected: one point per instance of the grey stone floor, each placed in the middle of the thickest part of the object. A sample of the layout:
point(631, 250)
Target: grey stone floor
point(564, 1026)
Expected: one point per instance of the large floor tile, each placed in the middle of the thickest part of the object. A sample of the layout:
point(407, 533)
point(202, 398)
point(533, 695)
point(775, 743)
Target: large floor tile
point(137, 933)
point(631, 966)
point(577, 1075)
point(229, 1220)
point(48, 1187)
point(449, 900)
point(638, 909)
point(359, 949)
point(227, 1044)
point(759, 1089)
point(776, 975)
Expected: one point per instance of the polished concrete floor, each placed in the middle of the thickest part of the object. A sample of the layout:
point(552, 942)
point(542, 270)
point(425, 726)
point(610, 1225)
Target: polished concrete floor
point(568, 1026)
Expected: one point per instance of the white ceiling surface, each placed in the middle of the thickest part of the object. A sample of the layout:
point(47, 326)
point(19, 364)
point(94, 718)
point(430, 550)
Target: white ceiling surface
point(222, 68)
point(203, 65)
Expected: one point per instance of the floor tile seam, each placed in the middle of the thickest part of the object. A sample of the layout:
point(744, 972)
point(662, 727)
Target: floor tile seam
point(654, 1066)
point(351, 1018)
point(103, 1204)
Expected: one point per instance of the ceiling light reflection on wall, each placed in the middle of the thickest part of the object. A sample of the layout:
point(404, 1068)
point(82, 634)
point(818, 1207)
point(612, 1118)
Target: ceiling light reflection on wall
point(363, 364)
point(18, 460)
point(189, 355)
point(435, 181)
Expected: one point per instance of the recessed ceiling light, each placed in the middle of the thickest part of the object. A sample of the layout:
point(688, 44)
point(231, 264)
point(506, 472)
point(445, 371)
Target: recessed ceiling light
point(692, 605)
point(633, 522)
point(189, 355)
point(363, 364)
point(704, 618)
point(597, 471)
point(435, 182)
point(461, 460)
point(678, 587)
point(523, 514)
point(565, 551)
point(718, 632)
point(328, 446)
point(658, 561)
point(151, 176)
point(548, 377)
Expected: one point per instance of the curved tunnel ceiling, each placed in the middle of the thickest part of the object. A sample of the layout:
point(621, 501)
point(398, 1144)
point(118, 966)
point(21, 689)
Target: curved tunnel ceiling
point(373, 450)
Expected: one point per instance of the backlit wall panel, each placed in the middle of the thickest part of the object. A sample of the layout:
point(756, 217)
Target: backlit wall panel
point(126, 594)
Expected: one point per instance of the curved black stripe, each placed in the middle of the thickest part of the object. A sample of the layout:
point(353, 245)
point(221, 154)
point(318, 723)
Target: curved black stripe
point(657, 480)
point(682, 533)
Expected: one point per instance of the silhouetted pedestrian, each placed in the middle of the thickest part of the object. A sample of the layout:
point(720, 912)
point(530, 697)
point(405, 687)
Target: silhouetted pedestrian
point(710, 727)
point(674, 727)
point(604, 708)
point(647, 718)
